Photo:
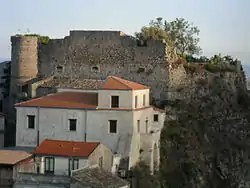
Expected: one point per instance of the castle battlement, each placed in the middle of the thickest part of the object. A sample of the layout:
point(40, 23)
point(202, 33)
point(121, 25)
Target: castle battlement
point(90, 54)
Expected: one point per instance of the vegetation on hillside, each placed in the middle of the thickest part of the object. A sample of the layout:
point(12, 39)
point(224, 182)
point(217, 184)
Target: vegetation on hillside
point(178, 33)
point(183, 38)
point(208, 145)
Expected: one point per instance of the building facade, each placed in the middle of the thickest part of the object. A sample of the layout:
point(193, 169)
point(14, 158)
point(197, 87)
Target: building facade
point(115, 115)
point(60, 157)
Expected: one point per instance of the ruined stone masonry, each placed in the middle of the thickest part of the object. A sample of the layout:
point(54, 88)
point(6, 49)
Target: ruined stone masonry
point(91, 54)
point(96, 55)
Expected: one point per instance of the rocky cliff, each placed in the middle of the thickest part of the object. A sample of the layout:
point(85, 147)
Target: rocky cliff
point(206, 137)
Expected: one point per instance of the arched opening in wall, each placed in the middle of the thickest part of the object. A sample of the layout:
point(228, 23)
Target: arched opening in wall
point(59, 69)
point(141, 43)
point(155, 159)
point(141, 69)
point(95, 69)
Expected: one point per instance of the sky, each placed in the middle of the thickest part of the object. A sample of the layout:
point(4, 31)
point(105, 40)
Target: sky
point(224, 24)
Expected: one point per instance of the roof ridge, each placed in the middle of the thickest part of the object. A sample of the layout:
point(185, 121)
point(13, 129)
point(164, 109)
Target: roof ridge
point(57, 140)
point(34, 99)
point(119, 80)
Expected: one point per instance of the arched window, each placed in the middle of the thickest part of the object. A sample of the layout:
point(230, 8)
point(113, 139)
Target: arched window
point(95, 69)
point(59, 69)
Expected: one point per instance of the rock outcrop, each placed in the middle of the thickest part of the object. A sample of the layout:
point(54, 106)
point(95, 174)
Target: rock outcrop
point(206, 138)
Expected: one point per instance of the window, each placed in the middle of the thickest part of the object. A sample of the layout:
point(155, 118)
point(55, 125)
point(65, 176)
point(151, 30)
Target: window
point(5, 71)
point(25, 88)
point(138, 126)
point(114, 101)
point(100, 162)
point(73, 164)
point(144, 100)
point(95, 69)
point(72, 124)
point(112, 126)
point(59, 69)
point(31, 121)
point(146, 126)
point(1, 105)
point(136, 101)
point(156, 117)
point(49, 165)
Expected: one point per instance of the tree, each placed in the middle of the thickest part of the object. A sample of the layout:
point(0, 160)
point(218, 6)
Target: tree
point(178, 33)
point(184, 36)
point(142, 176)
point(154, 30)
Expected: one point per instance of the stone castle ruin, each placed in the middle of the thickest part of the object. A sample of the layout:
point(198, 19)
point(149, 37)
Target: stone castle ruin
point(96, 55)
point(92, 55)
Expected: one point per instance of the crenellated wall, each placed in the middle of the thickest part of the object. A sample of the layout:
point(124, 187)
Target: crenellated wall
point(98, 54)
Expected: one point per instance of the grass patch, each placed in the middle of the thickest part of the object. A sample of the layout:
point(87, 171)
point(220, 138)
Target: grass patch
point(219, 68)
point(191, 67)
point(43, 39)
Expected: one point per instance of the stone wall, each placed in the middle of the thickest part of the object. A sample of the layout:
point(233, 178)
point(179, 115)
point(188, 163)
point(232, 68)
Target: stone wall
point(24, 59)
point(98, 54)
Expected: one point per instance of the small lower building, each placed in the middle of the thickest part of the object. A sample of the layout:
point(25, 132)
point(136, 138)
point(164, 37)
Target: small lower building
point(11, 163)
point(60, 157)
point(95, 177)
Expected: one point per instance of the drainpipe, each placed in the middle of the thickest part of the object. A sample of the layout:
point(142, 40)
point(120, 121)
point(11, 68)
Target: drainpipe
point(85, 127)
point(38, 127)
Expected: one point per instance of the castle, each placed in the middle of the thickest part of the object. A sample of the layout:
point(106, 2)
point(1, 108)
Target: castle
point(36, 67)
point(90, 54)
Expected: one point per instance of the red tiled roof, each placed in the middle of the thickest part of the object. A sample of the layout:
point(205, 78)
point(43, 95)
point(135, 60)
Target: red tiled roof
point(78, 100)
point(66, 148)
point(115, 83)
point(13, 157)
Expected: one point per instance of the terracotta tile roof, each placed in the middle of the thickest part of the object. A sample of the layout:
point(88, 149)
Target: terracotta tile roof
point(96, 177)
point(66, 148)
point(115, 83)
point(63, 82)
point(75, 100)
point(13, 157)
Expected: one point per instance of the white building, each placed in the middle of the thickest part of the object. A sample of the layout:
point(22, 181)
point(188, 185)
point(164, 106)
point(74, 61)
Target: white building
point(117, 115)
point(60, 157)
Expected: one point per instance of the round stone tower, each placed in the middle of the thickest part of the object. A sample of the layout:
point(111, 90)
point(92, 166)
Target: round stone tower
point(24, 60)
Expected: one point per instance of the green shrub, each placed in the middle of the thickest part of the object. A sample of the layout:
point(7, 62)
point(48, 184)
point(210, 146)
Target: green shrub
point(191, 67)
point(43, 39)
point(219, 68)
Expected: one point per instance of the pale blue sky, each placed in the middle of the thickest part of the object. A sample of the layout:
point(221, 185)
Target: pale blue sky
point(224, 24)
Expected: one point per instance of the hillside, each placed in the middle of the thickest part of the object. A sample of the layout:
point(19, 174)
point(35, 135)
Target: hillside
point(208, 144)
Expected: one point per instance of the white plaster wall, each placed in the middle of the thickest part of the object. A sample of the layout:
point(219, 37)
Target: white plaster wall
point(139, 94)
point(53, 123)
point(98, 127)
point(25, 136)
point(125, 98)
point(160, 123)
point(62, 165)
